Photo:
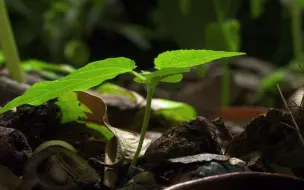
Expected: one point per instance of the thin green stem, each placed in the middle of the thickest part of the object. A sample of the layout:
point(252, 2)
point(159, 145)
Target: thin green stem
point(296, 21)
point(225, 85)
point(8, 45)
point(256, 8)
point(230, 46)
point(141, 77)
point(145, 124)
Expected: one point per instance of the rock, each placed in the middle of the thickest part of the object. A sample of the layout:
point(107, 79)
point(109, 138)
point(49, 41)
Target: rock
point(14, 148)
point(208, 169)
point(188, 168)
point(193, 137)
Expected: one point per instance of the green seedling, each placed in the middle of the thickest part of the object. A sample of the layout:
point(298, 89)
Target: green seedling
point(169, 67)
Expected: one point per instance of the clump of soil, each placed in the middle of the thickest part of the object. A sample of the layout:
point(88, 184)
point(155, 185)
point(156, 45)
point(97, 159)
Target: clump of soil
point(274, 136)
point(193, 137)
point(34, 122)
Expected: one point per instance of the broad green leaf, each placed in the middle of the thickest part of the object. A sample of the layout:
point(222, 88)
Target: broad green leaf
point(189, 58)
point(174, 111)
point(71, 108)
point(109, 88)
point(103, 130)
point(80, 80)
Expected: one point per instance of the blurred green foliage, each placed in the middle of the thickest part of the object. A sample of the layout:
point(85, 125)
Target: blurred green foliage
point(80, 31)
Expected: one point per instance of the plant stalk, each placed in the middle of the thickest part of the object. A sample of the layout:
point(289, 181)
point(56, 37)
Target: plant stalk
point(230, 47)
point(256, 8)
point(8, 46)
point(296, 21)
point(145, 124)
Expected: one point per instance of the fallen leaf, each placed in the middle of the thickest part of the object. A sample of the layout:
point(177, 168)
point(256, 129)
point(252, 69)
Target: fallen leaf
point(122, 146)
point(8, 180)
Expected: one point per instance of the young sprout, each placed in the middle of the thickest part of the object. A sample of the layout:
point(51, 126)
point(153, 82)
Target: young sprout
point(169, 67)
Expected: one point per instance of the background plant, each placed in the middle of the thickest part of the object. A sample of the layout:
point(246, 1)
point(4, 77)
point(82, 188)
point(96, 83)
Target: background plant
point(7, 42)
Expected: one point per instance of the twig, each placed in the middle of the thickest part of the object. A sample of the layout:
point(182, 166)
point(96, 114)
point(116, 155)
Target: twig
point(302, 101)
point(287, 125)
point(300, 67)
point(292, 118)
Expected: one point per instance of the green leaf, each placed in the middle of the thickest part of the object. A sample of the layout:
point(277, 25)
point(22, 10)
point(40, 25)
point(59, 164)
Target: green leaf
point(174, 111)
point(189, 58)
point(71, 108)
point(80, 80)
point(103, 130)
point(109, 88)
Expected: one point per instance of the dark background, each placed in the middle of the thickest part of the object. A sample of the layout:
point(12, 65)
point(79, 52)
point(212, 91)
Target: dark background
point(79, 31)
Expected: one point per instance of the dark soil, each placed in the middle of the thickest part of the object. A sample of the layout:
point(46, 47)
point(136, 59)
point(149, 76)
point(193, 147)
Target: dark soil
point(196, 149)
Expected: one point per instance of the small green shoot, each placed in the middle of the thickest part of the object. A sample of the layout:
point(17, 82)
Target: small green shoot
point(169, 68)
point(296, 28)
